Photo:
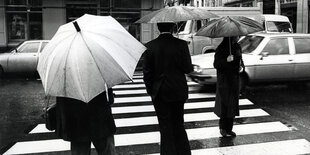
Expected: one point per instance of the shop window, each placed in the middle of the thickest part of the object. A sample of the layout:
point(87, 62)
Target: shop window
point(24, 20)
point(75, 11)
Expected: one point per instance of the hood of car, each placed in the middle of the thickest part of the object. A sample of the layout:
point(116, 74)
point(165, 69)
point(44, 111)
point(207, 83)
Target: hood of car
point(203, 60)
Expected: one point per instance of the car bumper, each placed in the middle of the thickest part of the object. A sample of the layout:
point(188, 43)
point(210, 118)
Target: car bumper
point(202, 78)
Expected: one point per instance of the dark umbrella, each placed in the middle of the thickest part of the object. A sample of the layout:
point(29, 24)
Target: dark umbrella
point(176, 14)
point(230, 26)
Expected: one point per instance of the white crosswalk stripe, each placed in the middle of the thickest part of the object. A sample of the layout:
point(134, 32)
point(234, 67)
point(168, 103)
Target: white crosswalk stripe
point(132, 115)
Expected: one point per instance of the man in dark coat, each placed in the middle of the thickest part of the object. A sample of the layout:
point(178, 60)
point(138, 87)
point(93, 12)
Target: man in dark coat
point(82, 123)
point(166, 61)
point(228, 65)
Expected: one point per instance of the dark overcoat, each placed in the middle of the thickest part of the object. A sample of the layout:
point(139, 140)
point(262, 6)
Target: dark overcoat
point(166, 61)
point(227, 87)
point(81, 122)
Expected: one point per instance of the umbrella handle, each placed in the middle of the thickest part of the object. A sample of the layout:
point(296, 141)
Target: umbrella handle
point(229, 46)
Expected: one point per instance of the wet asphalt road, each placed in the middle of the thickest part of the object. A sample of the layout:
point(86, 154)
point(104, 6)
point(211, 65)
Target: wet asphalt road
point(22, 101)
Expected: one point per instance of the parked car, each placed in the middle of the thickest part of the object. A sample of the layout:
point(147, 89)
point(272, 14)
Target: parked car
point(23, 58)
point(267, 58)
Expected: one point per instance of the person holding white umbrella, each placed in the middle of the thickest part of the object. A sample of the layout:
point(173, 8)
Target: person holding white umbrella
point(80, 65)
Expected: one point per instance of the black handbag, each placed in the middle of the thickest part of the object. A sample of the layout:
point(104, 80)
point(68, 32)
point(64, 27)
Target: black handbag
point(50, 116)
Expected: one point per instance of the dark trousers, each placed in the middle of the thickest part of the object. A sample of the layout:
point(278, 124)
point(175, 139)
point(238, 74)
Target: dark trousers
point(103, 146)
point(173, 137)
point(226, 123)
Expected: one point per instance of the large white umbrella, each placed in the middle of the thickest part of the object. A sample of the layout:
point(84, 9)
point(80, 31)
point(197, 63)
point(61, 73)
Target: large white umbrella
point(87, 56)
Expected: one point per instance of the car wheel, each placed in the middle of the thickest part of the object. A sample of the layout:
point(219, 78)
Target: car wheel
point(209, 51)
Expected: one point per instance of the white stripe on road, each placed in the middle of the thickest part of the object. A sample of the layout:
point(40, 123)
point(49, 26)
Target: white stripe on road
point(148, 98)
point(134, 80)
point(200, 133)
point(206, 116)
point(147, 138)
point(291, 147)
point(150, 108)
point(143, 85)
point(152, 120)
point(140, 91)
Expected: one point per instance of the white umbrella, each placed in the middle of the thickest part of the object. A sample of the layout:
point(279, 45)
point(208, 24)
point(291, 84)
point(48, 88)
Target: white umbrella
point(87, 56)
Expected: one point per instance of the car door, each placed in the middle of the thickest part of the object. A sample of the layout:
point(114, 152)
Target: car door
point(25, 58)
point(302, 58)
point(199, 42)
point(275, 63)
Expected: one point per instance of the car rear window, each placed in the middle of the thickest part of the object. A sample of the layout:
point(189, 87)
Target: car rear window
point(31, 47)
point(302, 45)
point(250, 43)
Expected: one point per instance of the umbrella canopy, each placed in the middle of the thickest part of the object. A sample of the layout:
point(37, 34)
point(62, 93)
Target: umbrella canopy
point(230, 26)
point(87, 56)
point(176, 14)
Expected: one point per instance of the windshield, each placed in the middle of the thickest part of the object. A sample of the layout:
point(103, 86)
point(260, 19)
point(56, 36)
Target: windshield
point(184, 27)
point(278, 26)
point(250, 43)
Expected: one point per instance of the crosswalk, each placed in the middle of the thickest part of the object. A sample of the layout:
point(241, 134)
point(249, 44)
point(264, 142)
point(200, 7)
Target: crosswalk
point(257, 131)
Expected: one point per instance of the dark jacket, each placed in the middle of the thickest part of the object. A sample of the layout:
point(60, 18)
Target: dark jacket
point(166, 61)
point(227, 88)
point(80, 121)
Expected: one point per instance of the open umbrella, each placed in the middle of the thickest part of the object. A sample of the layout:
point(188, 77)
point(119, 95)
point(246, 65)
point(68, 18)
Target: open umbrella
point(87, 56)
point(176, 14)
point(230, 26)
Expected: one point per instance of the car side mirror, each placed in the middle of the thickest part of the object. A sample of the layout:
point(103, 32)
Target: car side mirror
point(264, 54)
point(14, 50)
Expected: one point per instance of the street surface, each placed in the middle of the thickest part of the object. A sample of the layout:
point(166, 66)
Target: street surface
point(273, 120)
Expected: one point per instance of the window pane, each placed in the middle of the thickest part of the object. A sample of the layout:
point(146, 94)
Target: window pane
point(35, 26)
point(127, 3)
point(16, 2)
point(277, 46)
point(29, 48)
point(250, 43)
point(302, 45)
point(43, 45)
point(75, 11)
point(17, 25)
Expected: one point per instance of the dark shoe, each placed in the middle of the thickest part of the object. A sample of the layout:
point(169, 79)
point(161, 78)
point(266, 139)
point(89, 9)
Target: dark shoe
point(223, 132)
point(231, 133)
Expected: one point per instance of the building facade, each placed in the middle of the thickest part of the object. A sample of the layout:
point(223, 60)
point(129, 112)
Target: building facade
point(39, 19)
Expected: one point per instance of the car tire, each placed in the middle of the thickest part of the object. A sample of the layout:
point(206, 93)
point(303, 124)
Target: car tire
point(209, 51)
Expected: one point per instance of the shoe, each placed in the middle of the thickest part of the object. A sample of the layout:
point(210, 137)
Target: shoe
point(231, 133)
point(223, 132)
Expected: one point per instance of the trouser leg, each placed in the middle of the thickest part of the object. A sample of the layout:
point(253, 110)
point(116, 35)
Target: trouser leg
point(226, 123)
point(80, 148)
point(105, 146)
point(180, 136)
point(167, 146)
point(229, 124)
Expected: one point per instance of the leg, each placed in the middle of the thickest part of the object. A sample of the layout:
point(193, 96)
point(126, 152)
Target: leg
point(180, 136)
point(222, 125)
point(80, 148)
point(167, 146)
point(105, 146)
point(230, 123)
